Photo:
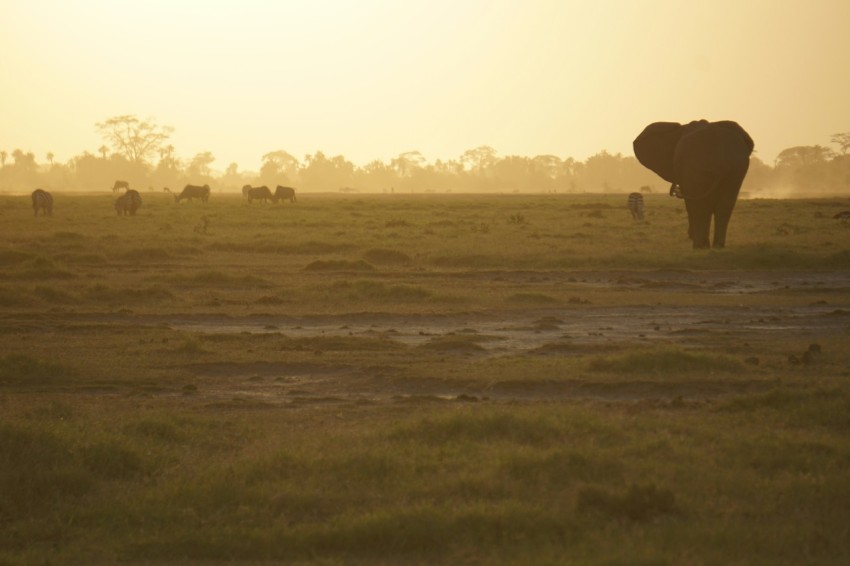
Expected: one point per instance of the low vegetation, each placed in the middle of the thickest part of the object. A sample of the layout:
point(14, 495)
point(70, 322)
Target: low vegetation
point(286, 387)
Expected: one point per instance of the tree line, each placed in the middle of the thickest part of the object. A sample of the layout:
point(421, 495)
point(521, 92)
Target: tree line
point(138, 151)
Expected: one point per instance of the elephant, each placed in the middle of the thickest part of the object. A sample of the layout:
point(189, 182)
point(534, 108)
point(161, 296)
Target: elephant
point(706, 162)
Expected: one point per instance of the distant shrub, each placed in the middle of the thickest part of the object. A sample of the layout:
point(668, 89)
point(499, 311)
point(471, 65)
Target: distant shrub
point(666, 361)
point(19, 369)
point(383, 256)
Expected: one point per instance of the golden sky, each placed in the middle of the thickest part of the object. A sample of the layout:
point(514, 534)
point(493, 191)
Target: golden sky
point(370, 79)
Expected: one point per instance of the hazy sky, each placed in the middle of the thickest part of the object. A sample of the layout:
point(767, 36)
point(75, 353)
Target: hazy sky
point(370, 79)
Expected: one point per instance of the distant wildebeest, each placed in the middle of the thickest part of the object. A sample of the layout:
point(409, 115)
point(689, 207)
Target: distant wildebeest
point(844, 216)
point(42, 200)
point(192, 192)
point(128, 203)
point(245, 190)
point(260, 193)
point(120, 185)
point(635, 205)
point(284, 193)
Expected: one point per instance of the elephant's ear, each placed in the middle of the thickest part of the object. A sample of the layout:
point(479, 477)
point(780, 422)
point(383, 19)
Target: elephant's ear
point(734, 126)
point(655, 146)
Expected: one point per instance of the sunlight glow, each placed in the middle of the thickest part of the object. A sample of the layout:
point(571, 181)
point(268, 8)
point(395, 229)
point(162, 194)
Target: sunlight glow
point(372, 79)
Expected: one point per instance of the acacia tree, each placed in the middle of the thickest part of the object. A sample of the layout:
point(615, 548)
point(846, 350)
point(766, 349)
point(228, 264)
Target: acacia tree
point(135, 139)
point(842, 141)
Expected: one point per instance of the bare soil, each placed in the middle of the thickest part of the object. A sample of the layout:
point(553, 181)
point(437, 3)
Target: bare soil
point(577, 328)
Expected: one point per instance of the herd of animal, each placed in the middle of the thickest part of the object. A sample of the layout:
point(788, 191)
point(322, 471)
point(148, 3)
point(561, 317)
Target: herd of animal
point(128, 203)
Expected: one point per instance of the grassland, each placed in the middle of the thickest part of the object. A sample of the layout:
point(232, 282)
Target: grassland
point(423, 379)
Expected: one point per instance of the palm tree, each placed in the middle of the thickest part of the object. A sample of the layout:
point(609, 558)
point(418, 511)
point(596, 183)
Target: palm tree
point(3, 157)
point(50, 157)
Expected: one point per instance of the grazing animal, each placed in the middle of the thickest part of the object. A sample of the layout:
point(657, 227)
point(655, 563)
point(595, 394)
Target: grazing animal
point(120, 185)
point(635, 204)
point(128, 203)
point(706, 163)
point(245, 190)
point(285, 193)
point(844, 216)
point(192, 192)
point(42, 200)
point(259, 193)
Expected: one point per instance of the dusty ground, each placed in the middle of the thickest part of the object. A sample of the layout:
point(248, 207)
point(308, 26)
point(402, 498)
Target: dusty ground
point(739, 326)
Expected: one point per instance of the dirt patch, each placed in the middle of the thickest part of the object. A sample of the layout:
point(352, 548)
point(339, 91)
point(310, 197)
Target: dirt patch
point(541, 331)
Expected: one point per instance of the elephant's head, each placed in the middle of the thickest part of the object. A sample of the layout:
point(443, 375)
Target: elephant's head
point(706, 163)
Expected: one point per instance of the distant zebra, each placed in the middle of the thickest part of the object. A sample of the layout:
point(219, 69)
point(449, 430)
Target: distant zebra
point(120, 185)
point(42, 200)
point(635, 205)
point(192, 192)
point(128, 203)
point(260, 193)
point(285, 193)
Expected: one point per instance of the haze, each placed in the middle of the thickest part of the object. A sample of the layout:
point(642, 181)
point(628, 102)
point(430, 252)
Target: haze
point(371, 79)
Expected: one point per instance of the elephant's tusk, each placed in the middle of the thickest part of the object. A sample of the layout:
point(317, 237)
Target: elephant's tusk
point(676, 191)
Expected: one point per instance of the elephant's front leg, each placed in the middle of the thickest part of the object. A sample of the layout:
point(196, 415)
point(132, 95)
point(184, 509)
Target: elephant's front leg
point(699, 222)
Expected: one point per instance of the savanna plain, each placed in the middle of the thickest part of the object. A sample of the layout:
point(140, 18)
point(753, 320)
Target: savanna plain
point(352, 378)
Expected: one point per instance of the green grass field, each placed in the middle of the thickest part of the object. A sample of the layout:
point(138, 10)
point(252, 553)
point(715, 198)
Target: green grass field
point(531, 379)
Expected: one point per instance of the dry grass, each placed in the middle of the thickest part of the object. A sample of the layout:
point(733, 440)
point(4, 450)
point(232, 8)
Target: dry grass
point(164, 402)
